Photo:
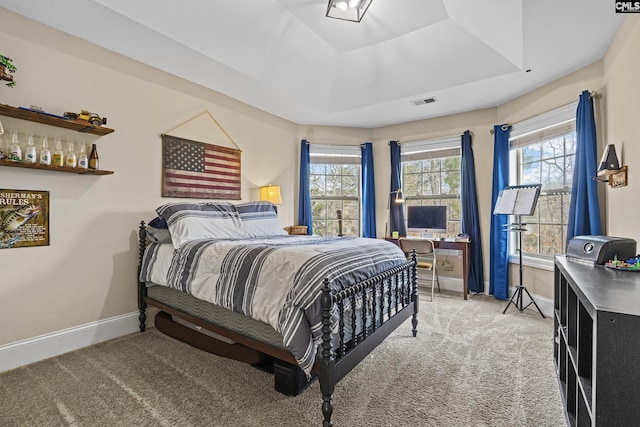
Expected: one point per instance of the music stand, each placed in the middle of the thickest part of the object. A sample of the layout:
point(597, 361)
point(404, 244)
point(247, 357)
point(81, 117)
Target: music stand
point(518, 200)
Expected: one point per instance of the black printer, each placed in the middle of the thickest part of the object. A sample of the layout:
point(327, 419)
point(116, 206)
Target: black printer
point(600, 249)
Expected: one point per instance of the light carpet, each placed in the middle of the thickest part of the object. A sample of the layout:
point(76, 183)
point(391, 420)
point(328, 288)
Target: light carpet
point(470, 365)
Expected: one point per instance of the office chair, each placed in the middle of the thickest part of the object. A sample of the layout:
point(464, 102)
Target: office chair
point(425, 254)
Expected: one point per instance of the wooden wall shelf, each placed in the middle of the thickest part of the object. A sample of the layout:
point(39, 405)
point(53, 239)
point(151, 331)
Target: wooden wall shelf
point(54, 168)
point(77, 125)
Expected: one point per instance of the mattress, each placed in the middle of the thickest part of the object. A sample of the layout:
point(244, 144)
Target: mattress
point(236, 322)
point(276, 281)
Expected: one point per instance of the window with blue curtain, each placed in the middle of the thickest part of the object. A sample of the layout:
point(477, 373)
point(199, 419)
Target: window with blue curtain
point(543, 150)
point(499, 254)
point(396, 223)
point(431, 175)
point(584, 210)
point(304, 199)
point(368, 192)
point(334, 184)
point(471, 216)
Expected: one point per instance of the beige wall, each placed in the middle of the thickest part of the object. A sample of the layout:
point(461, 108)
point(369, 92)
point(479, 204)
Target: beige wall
point(622, 106)
point(88, 271)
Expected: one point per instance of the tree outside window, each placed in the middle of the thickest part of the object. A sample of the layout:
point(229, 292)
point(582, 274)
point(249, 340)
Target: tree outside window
point(435, 180)
point(548, 161)
point(333, 187)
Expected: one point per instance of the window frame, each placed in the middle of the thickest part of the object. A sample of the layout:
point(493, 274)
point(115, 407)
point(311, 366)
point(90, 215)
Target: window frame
point(423, 150)
point(563, 116)
point(337, 155)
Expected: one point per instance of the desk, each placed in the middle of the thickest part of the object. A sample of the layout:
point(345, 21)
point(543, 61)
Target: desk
point(458, 246)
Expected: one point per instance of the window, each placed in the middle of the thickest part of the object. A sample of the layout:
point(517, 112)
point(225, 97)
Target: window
point(543, 151)
point(431, 176)
point(335, 185)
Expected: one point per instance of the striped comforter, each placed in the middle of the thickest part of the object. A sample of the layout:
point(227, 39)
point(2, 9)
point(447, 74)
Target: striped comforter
point(275, 280)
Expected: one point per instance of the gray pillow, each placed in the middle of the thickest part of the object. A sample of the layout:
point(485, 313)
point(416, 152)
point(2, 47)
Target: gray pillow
point(158, 235)
point(260, 219)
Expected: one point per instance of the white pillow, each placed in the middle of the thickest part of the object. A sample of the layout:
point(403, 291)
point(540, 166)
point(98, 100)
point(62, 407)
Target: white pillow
point(195, 221)
point(260, 219)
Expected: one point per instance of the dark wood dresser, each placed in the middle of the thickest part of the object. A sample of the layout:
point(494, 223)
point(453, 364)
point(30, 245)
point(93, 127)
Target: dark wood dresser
point(597, 343)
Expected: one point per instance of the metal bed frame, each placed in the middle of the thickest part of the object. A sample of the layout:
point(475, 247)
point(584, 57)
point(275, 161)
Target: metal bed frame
point(387, 300)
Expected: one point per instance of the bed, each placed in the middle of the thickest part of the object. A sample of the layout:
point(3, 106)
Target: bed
point(318, 305)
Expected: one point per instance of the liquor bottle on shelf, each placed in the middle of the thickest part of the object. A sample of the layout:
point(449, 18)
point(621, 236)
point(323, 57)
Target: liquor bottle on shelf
point(30, 155)
point(58, 155)
point(15, 152)
point(93, 158)
point(45, 153)
point(71, 160)
point(83, 159)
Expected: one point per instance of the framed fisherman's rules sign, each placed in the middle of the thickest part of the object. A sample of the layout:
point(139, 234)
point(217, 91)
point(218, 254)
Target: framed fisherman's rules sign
point(24, 218)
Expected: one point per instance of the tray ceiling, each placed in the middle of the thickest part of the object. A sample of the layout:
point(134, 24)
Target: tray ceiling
point(287, 58)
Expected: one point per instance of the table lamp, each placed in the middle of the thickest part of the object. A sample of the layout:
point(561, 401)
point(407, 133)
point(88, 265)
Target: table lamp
point(271, 193)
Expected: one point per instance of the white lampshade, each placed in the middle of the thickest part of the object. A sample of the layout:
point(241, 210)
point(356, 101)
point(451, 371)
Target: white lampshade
point(271, 193)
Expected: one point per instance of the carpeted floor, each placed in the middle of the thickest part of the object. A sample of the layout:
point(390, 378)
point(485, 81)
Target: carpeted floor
point(470, 365)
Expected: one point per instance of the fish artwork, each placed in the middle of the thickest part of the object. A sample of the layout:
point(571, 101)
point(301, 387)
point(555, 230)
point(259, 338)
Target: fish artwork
point(12, 219)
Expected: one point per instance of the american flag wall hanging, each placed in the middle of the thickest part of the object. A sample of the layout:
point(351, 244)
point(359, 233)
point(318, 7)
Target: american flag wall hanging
point(197, 170)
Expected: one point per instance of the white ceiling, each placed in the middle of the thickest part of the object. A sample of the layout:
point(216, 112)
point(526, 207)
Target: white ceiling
point(287, 58)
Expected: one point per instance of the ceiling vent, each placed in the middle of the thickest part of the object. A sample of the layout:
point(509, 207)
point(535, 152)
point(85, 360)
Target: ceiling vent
point(423, 101)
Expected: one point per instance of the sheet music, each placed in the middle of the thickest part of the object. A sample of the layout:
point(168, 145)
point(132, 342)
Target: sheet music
point(518, 200)
point(506, 201)
point(525, 201)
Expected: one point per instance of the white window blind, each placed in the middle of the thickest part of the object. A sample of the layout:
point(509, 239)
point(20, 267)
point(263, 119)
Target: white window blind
point(431, 148)
point(544, 126)
point(336, 154)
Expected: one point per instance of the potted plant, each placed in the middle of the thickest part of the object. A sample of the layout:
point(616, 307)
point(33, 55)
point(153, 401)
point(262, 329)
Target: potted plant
point(6, 70)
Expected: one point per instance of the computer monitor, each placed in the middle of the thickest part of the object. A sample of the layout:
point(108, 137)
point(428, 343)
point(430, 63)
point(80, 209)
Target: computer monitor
point(427, 219)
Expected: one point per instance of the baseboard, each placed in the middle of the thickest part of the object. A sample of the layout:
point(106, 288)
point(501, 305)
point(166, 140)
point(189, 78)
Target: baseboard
point(455, 284)
point(43, 347)
point(545, 304)
point(22, 353)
